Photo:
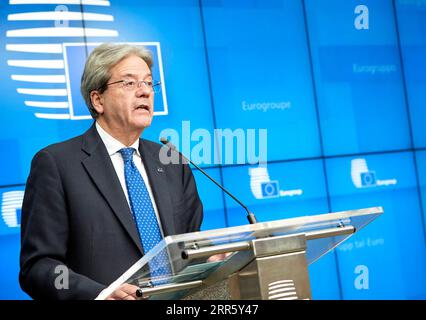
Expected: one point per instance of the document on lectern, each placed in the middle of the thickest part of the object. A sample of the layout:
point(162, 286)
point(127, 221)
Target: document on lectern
point(188, 256)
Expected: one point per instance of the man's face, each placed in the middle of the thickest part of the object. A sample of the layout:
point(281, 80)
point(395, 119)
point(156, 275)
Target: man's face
point(128, 109)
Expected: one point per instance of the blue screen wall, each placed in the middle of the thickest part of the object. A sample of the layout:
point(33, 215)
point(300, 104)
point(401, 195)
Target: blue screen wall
point(338, 85)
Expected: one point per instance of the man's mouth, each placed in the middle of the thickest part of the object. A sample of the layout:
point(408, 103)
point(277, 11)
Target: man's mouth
point(143, 107)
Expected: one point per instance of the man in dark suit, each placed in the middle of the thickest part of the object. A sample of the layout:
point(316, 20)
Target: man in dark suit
point(87, 200)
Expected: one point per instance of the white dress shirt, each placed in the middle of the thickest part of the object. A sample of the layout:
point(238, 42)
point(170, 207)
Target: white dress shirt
point(113, 146)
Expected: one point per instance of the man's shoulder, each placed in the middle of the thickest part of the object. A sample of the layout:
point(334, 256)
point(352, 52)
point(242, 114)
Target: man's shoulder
point(63, 147)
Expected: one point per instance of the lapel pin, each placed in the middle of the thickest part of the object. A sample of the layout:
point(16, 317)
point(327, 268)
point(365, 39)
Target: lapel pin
point(160, 169)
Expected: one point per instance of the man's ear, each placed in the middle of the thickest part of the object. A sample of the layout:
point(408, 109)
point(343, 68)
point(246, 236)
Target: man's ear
point(97, 101)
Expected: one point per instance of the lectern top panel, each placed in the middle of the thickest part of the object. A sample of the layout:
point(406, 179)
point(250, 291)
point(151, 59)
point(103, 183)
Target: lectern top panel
point(190, 255)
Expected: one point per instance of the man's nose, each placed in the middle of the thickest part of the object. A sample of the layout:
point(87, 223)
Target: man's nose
point(143, 90)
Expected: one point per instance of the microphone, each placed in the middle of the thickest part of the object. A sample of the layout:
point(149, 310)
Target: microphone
point(250, 216)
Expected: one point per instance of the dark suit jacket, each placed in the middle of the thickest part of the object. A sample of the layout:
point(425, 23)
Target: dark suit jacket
point(75, 213)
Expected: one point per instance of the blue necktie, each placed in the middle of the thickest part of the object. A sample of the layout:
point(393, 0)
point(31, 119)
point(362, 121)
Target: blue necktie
point(144, 215)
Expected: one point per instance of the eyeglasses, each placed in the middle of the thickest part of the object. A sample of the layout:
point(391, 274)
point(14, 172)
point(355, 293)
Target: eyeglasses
point(131, 85)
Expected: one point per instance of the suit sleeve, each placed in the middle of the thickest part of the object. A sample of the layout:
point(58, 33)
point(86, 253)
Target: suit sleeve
point(44, 236)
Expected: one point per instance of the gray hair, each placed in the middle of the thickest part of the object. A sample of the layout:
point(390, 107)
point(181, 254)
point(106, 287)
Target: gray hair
point(96, 72)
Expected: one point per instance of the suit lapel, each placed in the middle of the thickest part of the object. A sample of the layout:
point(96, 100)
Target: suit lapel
point(100, 168)
point(159, 185)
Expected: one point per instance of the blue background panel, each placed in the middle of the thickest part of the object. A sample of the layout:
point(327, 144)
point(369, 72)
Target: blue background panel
point(411, 17)
point(357, 72)
point(421, 167)
point(384, 249)
point(258, 80)
point(10, 206)
point(299, 190)
point(323, 276)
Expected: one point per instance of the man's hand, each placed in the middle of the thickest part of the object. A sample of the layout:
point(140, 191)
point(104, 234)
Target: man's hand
point(124, 292)
point(219, 257)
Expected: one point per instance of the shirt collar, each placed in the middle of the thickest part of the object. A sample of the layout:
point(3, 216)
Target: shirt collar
point(113, 145)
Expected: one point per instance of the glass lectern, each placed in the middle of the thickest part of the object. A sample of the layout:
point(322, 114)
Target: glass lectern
point(267, 260)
